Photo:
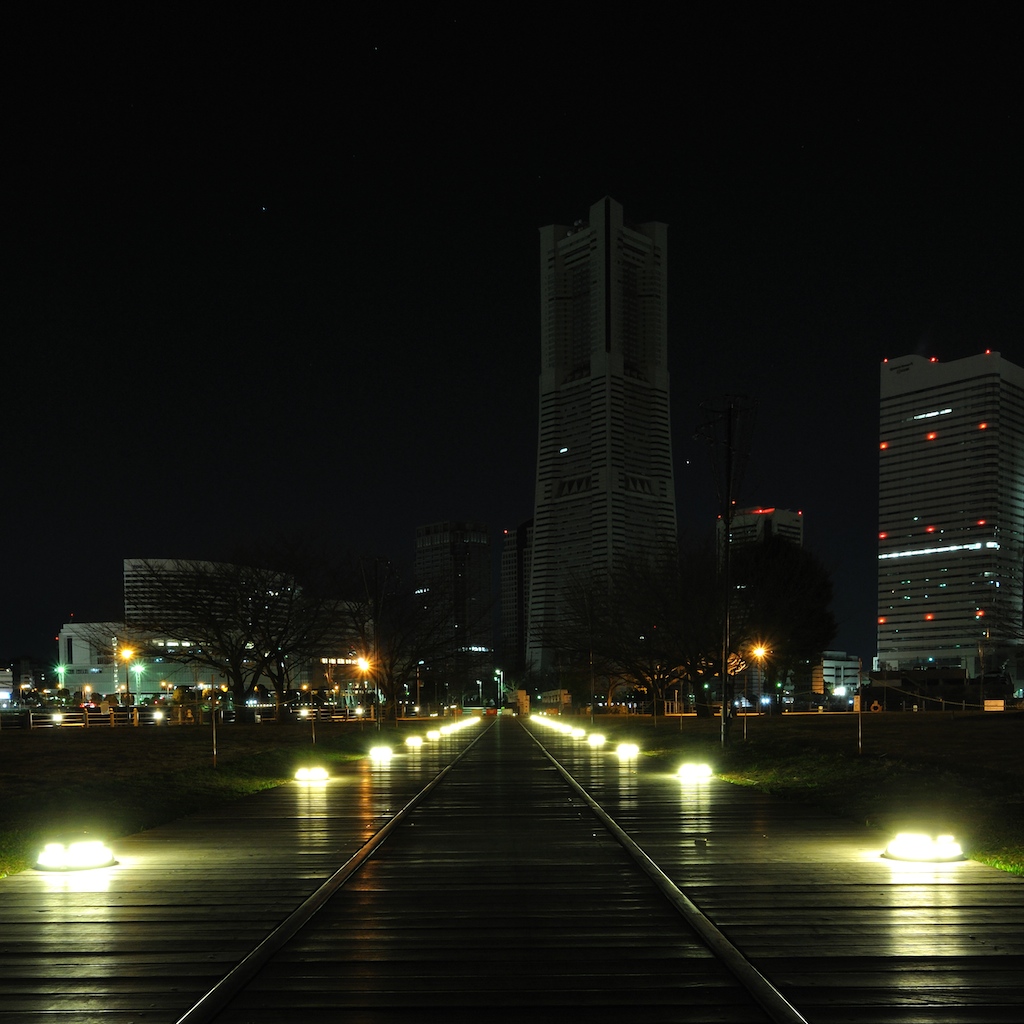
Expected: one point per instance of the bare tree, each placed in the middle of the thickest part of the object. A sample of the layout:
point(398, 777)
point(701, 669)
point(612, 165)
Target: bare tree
point(244, 621)
point(658, 622)
point(782, 600)
point(395, 626)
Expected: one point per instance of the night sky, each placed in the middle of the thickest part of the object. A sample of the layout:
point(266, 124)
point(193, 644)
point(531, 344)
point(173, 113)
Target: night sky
point(280, 274)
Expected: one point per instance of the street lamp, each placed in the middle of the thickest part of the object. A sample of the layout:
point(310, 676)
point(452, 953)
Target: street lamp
point(304, 713)
point(760, 652)
point(127, 654)
point(364, 666)
point(137, 669)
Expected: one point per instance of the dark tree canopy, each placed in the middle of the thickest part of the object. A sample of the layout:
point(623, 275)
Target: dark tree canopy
point(782, 600)
point(658, 623)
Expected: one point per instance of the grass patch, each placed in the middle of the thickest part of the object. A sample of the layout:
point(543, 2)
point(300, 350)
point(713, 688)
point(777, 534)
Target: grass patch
point(114, 782)
point(958, 772)
point(955, 771)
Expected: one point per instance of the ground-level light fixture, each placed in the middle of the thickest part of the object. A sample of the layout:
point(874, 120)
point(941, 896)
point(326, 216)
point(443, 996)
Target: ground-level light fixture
point(414, 741)
point(920, 847)
point(311, 775)
point(434, 734)
point(74, 853)
point(595, 739)
point(381, 755)
point(691, 772)
point(627, 751)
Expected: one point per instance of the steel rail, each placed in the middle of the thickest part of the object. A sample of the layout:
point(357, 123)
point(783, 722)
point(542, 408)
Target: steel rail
point(218, 997)
point(768, 997)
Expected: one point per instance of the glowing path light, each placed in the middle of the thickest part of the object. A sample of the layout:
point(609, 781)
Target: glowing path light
point(78, 854)
point(690, 772)
point(920, 847)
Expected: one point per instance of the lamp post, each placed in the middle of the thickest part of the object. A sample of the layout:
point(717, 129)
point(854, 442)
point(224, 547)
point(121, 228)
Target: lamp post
point(364, 667)
point(760, 652)
point(305, 713)
point(127, 654)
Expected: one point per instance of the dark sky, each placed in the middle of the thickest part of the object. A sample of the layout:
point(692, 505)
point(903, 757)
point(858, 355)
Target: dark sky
point(280, 273)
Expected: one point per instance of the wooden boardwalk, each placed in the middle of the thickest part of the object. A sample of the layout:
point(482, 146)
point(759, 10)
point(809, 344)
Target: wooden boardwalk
point(502, 898)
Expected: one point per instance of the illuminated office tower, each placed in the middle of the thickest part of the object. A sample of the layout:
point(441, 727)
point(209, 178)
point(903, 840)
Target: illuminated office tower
point(604, 488)
point(755, 525)
point(951, 514)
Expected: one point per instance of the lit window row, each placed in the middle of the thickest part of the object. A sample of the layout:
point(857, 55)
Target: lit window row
point(930, 436)
point(930, 616)
point(911, 553)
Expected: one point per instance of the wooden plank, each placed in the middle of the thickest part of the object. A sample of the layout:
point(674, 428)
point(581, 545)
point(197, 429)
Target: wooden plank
point(505, 899)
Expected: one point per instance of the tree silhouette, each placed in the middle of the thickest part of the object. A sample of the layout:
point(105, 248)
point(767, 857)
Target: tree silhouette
point(782, 599)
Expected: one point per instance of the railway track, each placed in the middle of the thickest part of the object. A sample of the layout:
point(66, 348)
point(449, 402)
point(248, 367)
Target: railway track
point(468, 908)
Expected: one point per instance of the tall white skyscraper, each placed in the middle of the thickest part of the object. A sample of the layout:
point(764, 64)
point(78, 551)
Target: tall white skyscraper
point(951, 514)
point(604, 486)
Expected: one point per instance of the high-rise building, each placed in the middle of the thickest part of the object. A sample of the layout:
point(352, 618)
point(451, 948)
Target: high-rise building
point(604, 487)
point(455, 557)
point(515, 584)
point(752, 525)
point(951, 514)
